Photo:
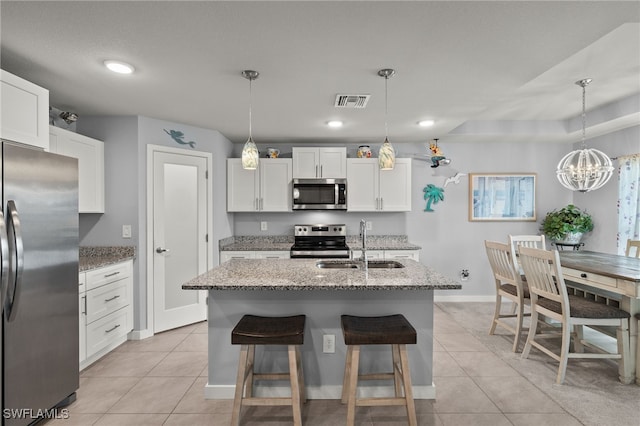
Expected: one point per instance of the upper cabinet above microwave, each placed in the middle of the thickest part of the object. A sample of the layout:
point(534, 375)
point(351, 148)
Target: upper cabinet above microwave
point(330, 162)
point(24, 111)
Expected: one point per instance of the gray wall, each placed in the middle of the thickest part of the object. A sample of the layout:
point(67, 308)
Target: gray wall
point(449, 241)
point(126, 140)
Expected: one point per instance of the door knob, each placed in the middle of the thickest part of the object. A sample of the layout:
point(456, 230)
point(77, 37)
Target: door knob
point(161, 250)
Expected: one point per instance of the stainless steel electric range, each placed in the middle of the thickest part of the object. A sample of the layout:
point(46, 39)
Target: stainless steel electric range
point(320, 241)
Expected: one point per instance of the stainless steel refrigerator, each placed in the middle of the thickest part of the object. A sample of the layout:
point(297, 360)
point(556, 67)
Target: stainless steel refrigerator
point(39, 283)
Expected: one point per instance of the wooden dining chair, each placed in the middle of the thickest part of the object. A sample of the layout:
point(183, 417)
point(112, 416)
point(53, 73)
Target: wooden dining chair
point(535, 241)
point(508, 286)
point(631, 245)
point(549, 298)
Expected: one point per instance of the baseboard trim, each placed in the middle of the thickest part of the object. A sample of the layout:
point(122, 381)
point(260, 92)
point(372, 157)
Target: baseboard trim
point(463, 298)
point(140, 334)
point(317, 392)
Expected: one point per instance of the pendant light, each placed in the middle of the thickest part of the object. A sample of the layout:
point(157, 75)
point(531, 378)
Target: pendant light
point(386, 155)
point(250, 150)
point(585, 169)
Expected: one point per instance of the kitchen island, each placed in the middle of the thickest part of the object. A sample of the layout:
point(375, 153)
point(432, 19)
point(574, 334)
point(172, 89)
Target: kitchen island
point(275, 287)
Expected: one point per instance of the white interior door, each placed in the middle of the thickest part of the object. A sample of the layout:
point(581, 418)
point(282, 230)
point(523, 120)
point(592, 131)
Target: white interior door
point(179, 238)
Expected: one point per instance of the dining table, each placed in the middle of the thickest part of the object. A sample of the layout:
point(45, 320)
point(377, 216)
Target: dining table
point(612, 279)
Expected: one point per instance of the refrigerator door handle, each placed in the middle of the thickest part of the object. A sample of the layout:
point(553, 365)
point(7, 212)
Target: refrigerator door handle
point(4, 261)
point(15, 240)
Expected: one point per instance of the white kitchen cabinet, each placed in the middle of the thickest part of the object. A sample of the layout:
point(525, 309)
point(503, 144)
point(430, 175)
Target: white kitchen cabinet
point(389, 254)
point(272, 254)
point(402, 254)
point(82, 312)
point(330, 162)
point(260, 254)
point(266, 189)
point(371, 254)
point(24, 111)
point(228, 255)
point(108, 310)
point(90, 155)
point(371, 189)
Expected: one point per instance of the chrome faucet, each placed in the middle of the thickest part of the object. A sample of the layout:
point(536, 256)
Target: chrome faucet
point(363, 235)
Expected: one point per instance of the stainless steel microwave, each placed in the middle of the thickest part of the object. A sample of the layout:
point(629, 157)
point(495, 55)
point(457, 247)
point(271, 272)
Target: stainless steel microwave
point(319, 194)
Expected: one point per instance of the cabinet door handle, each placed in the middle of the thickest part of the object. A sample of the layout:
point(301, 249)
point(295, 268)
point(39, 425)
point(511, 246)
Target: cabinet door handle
point(321, 173)
point(316, 171)
point(381, 203)
point(85, 305)
point(112, 298)
point(583, 275)
point(112, 328)
point(113, 274)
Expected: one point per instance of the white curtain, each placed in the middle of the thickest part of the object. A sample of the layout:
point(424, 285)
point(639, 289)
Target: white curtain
point(628, 200)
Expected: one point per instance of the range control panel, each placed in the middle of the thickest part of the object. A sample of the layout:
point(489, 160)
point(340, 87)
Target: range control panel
point(320, 230)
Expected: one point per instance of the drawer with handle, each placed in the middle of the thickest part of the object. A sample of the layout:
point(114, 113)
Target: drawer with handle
point(103, 300)
point(587, 278)
point(106, 330)
point(108, 274)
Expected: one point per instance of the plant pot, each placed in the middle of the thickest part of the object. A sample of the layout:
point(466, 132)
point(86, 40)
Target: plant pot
point(571, 238)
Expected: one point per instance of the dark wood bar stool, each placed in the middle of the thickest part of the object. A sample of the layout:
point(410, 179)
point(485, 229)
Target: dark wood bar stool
point(392, 330)
point(254, 330)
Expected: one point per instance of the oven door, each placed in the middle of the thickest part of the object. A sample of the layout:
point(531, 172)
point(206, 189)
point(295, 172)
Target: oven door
point(319, 194)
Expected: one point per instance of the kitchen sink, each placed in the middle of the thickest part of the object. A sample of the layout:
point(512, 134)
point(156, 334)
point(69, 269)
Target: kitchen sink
point(384, 264)
point(323, 264)
point(373, 264)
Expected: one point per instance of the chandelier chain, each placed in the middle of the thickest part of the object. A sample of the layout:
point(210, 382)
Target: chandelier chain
point(386, 127)
point(250, 102)
point(584, 114)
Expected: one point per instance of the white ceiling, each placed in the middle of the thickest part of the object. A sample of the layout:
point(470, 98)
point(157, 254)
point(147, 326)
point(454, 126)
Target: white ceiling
point(481, 70)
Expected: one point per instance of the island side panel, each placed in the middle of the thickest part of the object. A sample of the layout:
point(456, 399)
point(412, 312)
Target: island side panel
point(323, 371)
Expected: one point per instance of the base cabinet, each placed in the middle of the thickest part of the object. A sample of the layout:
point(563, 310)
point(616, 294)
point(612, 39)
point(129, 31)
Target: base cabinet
point(389, 254)
point(106, 310)
point(262, 254)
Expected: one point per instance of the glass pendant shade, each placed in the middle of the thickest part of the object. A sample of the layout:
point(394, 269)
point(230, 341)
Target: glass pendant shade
point(250, 155)
point(386, 156)
point(585, 169)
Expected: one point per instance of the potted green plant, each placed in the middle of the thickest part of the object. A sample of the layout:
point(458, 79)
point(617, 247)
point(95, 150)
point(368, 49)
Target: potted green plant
point(567, 225)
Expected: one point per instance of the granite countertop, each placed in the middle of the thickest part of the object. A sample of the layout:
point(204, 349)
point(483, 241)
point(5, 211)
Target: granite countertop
point(99, 256)
point(303, 274)
point(284, 243)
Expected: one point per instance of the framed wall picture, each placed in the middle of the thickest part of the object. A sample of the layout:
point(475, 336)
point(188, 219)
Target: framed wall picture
point(502, 197)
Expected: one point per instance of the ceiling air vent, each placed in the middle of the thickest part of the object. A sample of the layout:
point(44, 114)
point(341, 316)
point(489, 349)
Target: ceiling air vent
point(351, 101)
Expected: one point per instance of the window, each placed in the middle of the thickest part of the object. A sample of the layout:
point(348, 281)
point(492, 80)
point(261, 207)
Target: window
point(628, 200)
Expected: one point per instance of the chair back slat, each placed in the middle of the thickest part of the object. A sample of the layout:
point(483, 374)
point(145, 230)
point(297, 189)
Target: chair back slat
point(633, 248)
point(535, 241)
point(499, 256)
point(544, 275)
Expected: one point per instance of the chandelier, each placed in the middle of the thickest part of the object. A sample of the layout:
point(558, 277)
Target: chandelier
point(585, 169)
point(250, 150)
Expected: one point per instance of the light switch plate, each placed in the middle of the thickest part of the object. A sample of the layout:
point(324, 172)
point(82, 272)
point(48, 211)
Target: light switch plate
point(126, 231)
point(263, 226)
point(369, 225)
point(329, 343)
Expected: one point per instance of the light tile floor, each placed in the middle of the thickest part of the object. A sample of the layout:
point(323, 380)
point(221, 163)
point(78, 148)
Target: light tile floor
point(479, 381)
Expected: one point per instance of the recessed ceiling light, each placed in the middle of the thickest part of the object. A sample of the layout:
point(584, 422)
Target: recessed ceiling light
point(334, 123)
point(426, 123)
point(119, 67)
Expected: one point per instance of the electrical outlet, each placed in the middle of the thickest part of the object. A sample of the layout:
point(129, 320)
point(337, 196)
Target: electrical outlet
point(263, 226)
point(329, 343)
point(126, 231)
point(369, 225)
point(464, 275)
